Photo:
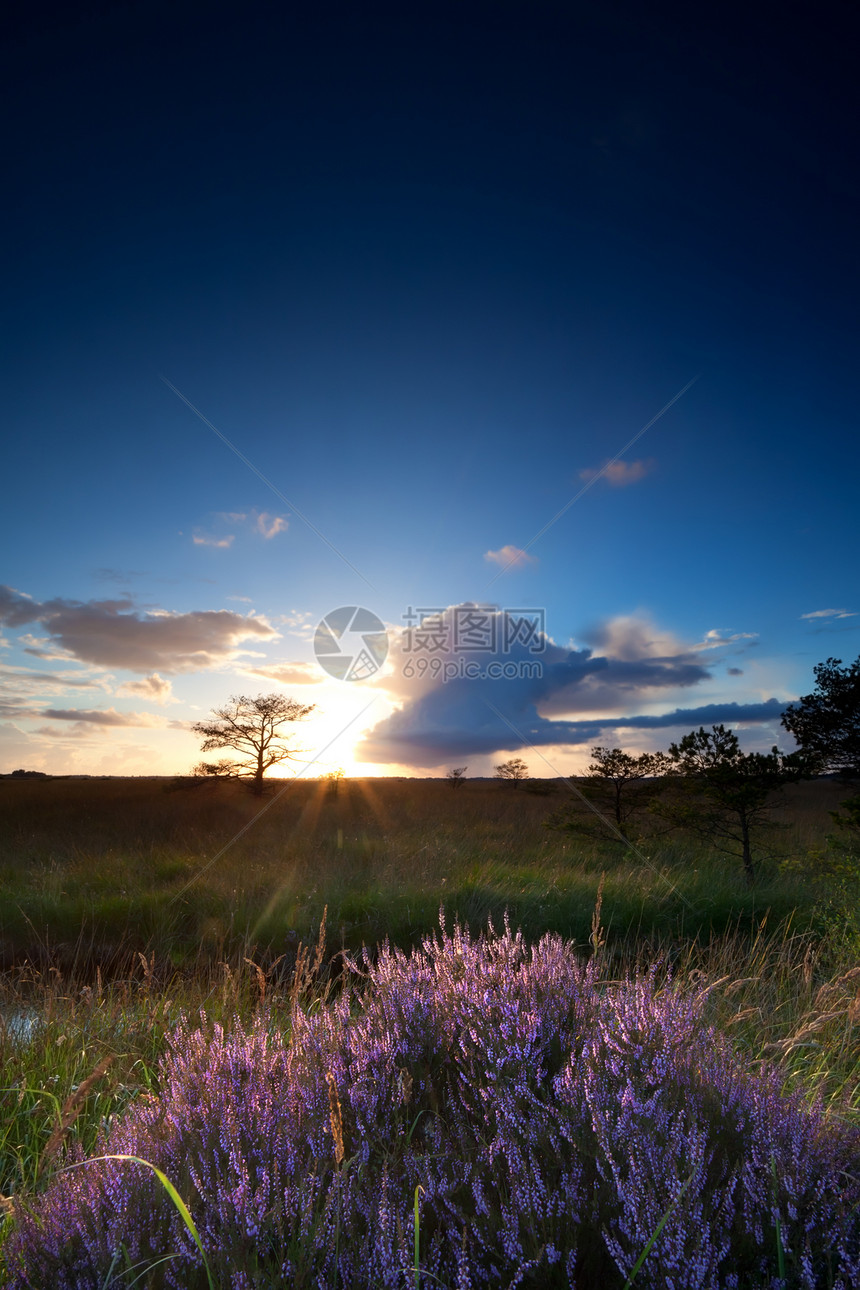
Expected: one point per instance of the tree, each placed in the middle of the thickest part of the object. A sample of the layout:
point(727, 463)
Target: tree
point(457, 776)
point(826, 724)
point(514, 770)
point(252, 729)
point(724, 794)
point(618, 789)
point(334, 777)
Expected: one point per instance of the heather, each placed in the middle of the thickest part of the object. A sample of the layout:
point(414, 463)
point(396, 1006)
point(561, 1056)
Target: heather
point(551, 1119)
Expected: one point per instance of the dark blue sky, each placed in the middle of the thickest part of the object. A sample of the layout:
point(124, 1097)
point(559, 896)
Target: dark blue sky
point(427, 266)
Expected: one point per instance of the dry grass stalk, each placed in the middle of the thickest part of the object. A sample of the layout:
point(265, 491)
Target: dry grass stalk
point(336, 1118)
point(307, 969)
point(262, 976)
point(148, 966)
point(70, 1112)
point(598, 933)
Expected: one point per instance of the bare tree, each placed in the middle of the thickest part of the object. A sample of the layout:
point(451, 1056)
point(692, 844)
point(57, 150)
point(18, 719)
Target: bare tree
point(514, 770)
point(252, 729)
point(457, 776)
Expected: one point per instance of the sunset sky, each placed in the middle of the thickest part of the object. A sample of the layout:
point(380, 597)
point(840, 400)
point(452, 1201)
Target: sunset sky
point(364, 305)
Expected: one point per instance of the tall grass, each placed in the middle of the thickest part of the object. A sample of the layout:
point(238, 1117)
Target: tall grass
point(95, 868)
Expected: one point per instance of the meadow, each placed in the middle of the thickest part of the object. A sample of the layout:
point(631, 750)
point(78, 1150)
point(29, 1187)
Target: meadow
point(138, 921)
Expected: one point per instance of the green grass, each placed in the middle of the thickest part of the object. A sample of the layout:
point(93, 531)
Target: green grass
point(92, 870)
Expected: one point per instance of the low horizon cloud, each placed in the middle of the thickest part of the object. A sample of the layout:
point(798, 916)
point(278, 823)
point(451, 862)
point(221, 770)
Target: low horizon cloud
point(626, 663)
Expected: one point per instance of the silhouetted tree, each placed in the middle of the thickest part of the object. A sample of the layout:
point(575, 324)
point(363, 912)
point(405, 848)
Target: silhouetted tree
point(724, 794)
point(826, 723)
point(514, 770)
point(252, 729)
point(457, 776)
point(334, 777)
point(618, 790)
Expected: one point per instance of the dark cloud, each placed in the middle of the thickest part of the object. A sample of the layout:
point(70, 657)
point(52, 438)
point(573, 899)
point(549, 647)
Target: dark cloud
point(113, 633)
point(463, 716)
point(735, 671)
point(100, 716)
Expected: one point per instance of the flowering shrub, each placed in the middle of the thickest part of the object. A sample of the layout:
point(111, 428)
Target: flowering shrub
point(551, 1122)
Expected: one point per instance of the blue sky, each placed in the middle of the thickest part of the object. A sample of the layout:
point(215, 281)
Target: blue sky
point(429, 269)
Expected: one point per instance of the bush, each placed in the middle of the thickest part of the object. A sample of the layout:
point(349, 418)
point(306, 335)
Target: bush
point(551, 1121)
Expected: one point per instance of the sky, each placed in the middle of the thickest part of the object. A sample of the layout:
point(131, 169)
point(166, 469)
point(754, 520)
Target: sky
point(481, 374)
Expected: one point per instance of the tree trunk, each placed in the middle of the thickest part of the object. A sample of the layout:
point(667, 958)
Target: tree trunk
point(748, 864)
point(257, 790)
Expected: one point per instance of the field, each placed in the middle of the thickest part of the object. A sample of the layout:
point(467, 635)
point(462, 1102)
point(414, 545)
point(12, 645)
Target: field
point(126, 903)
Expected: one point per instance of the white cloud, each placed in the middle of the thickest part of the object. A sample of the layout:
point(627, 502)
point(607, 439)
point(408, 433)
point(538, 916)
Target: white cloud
point(202, 539)
point(271, 525)
point(716, 637)
point(263, 523)
point(831, 613)
point(509, 557)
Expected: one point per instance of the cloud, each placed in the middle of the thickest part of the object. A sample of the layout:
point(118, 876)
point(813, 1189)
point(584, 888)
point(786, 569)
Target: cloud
point(201, 539)
point(152, 687)
point(19, 686)
point(575, 696)
point(289, 673)
point(831, 613)
point(101, 716)
point(265, 524)
point(618, 474)
point(735, 671)
point(271, 525)
point(113, 633)
point(547, 696)
point(717, 636)
point(509, 557)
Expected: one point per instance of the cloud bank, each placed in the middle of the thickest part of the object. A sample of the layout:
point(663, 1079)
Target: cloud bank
point(113, 633)
point(575, 696)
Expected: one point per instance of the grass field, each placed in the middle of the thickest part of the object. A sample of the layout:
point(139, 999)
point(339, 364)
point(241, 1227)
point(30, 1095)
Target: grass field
point(124, 904)
point(92, 870)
